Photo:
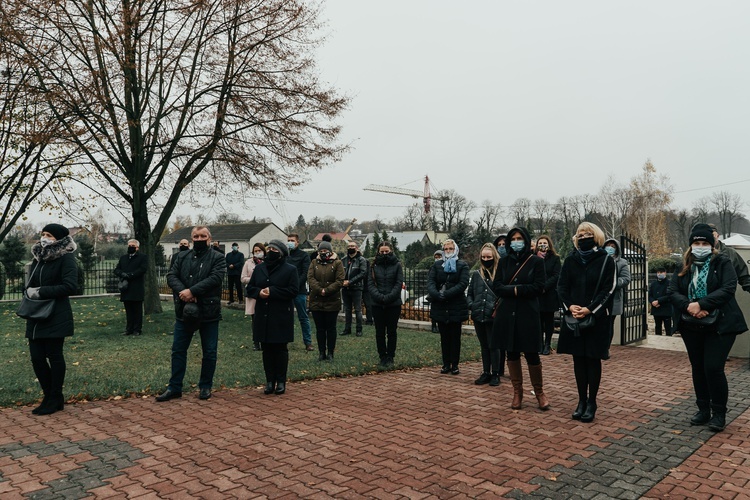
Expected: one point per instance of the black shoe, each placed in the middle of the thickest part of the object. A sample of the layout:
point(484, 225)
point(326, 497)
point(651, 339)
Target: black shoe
point(359, 333)
point(270, 388)
point(205, 393)
point(580, 410)
point(455, 370)
point(546, 350)
point(45, 402)
point(445, 369)
point(435, 329)
point(590, 413)
point(383, 362)
point(256, 346)
point(484, 378)
point(280, 388)
point(329, 357)
point(346, 332)
point(495, 379)
point(389, 361)
point(322, 357)
point(125, 334)
point(136, 334)
point(369, 322)
point(701, 417)
point(54, 404)
point(167, 395)
point(718, 422)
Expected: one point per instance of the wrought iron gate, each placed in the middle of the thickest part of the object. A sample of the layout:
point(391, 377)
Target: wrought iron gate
point(633, 325)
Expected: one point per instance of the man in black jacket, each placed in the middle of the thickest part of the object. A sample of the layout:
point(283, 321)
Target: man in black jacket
point(195, 277)
point(301, 260)
point(355, 269)
point(235, 260)
point(131, 270)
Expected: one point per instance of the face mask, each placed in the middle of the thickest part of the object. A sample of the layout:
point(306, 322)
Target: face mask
point(517, 246)
point(258, 255)
point(234, 249)
point(382, 258)
point(184, 247)
point(290, 245)
point(46, 241)
point(542, 248)
point(487, 263)
point(610, 250)
point(701, 253)
point(502, 250)
point(586, 244)
point(448, 255)
point(324, 256)
point(132, 249)
point(200, 245)
point(660, 276)
point(352, 251)
point(272, 257)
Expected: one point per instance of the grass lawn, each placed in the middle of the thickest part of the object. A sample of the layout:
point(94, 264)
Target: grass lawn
point(101, 363)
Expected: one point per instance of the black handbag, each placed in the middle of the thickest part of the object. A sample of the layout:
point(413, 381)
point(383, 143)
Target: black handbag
point(35, 309)
point(706, 324)
point(590, 320)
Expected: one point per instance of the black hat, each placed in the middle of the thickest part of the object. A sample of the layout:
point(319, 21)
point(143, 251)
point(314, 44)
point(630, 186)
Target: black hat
point(502, 237)
point(702, 232)
point(57, 230)
point(280, 246)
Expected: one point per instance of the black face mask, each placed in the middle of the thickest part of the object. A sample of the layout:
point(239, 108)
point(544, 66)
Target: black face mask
point(200, 245)
point(352, 251)
point(488, 263)
point(184, 247)
point(132, 249)
point(272, 257)
point(586, 244)
point(385, 258)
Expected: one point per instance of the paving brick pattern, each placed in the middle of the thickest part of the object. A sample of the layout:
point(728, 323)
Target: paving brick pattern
point(410, 434)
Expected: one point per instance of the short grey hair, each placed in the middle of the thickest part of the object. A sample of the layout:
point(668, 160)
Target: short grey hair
point(137, 243)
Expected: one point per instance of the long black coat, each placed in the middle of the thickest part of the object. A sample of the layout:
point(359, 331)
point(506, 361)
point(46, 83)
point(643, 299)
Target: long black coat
point(722, 285)
point(548, 300)
point(452, 307)
point(384, 281)
point(517, 326)
point(57, 278)
point(274, 316)
point(133, 269)
point(203, 273)
point(576, 286)
point(659, 290)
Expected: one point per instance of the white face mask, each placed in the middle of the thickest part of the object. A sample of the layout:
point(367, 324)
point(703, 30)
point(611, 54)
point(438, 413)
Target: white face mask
point(46, 241)
point(258, 255)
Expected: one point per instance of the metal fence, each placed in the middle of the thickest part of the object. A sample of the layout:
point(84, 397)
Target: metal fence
point(633, 321)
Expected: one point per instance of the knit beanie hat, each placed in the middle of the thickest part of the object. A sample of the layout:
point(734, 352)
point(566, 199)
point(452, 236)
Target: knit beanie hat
point(57, 230)
point(702, 232)
point(324, 245)
point(280, 246)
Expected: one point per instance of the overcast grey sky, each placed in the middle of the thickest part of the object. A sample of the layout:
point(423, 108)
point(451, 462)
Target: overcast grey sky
point(500, 100)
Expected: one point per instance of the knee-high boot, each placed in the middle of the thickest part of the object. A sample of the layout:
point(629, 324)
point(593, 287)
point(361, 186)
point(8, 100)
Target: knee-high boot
point(535, 374)
point(516, 378)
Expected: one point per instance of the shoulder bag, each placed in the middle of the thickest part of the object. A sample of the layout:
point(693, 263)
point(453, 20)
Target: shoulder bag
point(590, 320)
point(500, 299)
point(707, 324)
point(36, 309)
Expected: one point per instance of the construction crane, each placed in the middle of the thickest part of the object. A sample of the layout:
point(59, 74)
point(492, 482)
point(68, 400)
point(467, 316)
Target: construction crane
point(425, 195)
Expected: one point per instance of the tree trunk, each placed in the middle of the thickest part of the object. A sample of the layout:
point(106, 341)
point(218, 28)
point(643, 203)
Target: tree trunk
point(151, 302)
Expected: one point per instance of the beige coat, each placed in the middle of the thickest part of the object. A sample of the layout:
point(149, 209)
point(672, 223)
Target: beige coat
point(247, 272)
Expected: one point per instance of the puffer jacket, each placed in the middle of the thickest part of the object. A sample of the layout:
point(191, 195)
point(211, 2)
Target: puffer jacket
point(447, 300)
point(481, 298)
point(384, 282)
point(203, 273)
point(325, 275)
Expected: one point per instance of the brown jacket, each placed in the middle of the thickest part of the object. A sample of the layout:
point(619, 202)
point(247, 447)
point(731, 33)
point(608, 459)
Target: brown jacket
point(328, 276)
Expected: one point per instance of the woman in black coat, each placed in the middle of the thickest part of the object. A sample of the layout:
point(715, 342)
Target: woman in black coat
point(587, 282)
point(709, 319)
point(548, 301)
point(274, 285)
point(54, 275)
point(519, 282)
point(446, 282)
point(384, 282)
point(658, 299)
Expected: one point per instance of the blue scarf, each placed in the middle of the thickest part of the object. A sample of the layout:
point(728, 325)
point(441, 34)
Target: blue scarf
point(449, 266)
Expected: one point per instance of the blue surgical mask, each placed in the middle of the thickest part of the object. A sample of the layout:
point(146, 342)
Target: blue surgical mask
point(502, 250)
point(661, 276)
point(701, 253)
point(290, 245)
point(610, 250)
point(517, 246)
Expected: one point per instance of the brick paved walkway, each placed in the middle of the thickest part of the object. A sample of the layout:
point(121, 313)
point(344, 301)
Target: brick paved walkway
point(415, 434)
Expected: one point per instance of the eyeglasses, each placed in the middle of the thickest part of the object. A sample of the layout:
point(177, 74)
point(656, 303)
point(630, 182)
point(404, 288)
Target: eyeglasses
point(585, 235)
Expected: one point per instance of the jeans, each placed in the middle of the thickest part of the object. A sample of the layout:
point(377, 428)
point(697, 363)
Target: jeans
point(325, 329)
point(450, 343)
point(386, 324)
point(300, 302)
point(234, 283)
point(49, 364)
point(352, 298)
point(183, 335)
point(708, 353)
point(133, 316)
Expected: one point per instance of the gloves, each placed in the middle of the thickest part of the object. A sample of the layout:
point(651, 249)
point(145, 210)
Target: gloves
point(33, 292)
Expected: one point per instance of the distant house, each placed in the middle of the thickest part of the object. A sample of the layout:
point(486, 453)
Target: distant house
point(339, 241)
point(245, 235)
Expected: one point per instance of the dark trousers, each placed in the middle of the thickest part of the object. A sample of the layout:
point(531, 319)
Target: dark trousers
point(666, 321)
point(532, 358)
point(708, 354)
point(492, 359)
point(368, 305)
point(450, 343)
point(325, 330)
point(234, 283)
point(49, 364)
point(352, 299)
point(183, 335)
point(386, 324)
point(133, 316)
point(275, 361)
point(548, 325)
point(588, 372)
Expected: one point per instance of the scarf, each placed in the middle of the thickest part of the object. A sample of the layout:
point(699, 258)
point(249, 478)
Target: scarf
point(698, 285)
point(449, 266)
point(54, 250)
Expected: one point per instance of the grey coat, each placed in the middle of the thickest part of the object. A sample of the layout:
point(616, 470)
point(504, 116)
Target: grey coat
point(623, 279)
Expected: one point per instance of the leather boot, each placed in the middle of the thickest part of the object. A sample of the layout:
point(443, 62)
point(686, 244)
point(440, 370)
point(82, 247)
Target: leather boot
point(535, 374)
point(54, 404)
point(516, 378)
point(703, 415)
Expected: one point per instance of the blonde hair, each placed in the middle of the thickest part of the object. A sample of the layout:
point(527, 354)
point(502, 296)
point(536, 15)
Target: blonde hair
point(495, 259)
point(590, 227)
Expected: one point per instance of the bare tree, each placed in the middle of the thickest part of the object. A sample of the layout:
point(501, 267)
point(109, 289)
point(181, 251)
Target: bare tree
point(729, 209)
point(487, 224)
point(520, 212)
point(173, 97)
point(453, 210)
point(413, 219)
point(615, 203)
point(651, 197)
point(542, 211)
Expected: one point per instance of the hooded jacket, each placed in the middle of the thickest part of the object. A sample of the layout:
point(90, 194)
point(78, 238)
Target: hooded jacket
point(623, 278)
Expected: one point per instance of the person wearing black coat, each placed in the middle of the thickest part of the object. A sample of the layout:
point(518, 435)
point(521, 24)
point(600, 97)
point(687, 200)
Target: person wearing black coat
point(53, 275)
point(131, 269)
point(195, 277)
point(709, 320)
point(274, 285)
point(446, 284)
point(384, 282)
point(235, 260)
point(549, 303)
point(658, 298)
point(482, 300)
point(355, 269)
point(518, 283)
point(587, 282)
